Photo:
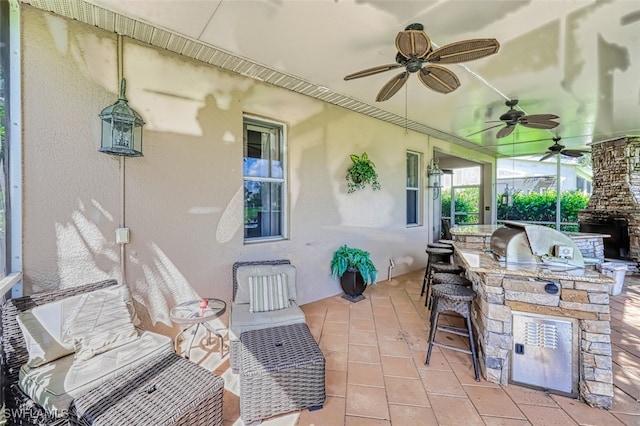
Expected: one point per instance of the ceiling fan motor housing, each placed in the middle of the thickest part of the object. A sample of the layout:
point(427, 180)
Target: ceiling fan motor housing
point(511, 116)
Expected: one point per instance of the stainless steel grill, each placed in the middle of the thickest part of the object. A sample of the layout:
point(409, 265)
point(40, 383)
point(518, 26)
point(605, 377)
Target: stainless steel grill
point(533, 244)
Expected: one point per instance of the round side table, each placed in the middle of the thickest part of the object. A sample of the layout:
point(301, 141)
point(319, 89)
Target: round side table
point(194, 313)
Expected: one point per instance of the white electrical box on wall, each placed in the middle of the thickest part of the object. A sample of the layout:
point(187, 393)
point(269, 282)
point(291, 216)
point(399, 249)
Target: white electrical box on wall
point(122, 235)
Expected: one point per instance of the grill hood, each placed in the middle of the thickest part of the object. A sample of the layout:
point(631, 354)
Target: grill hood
point(533, 244)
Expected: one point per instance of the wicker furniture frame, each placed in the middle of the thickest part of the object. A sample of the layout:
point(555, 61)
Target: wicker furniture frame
point(169, 391)
point(21, 410)
point(282, 369)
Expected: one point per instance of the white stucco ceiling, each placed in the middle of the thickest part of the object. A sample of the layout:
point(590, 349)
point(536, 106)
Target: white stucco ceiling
point(578, 59)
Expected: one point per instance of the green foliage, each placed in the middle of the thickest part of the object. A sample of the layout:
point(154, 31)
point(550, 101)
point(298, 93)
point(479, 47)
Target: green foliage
point(347, 258)
point(467, 200)
point(361, 173)
point(542, 206)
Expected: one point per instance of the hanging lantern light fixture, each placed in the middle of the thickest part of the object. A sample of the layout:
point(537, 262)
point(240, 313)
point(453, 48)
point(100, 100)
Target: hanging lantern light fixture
point(434, 177)
point(121, 128)
point(507, 197)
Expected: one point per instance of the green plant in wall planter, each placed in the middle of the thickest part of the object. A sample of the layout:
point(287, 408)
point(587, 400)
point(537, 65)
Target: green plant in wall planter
point(355, 269)
point(362, 173)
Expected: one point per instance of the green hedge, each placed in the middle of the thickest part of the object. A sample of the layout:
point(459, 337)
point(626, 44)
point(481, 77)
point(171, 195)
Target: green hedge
point(542, 207)
point(526, 207)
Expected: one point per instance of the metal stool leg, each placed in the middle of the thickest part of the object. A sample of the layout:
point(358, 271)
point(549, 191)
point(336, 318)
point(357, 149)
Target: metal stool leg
point(427, 277)
point(473, 349)
point(432, 332)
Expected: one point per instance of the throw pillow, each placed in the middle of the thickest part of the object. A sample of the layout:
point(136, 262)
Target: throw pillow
point(98, 323)
point(268, 293)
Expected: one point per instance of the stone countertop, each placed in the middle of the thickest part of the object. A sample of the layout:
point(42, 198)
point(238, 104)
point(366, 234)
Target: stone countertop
point(474, 230)
point(477, 260)
point(487, 230)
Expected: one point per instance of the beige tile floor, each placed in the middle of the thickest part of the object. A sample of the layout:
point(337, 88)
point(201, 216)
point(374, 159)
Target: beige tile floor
point(375, 373)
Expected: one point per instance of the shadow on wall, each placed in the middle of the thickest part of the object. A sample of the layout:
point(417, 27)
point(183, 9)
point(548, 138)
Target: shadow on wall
point(85, 254)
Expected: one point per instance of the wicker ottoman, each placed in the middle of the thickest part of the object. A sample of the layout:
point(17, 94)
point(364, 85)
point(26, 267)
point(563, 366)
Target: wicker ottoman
point(281, 370)
point(168, 391)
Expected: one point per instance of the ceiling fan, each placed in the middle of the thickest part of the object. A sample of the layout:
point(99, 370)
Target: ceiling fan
point(513, 117)
point(415, 50)
point(558, 148)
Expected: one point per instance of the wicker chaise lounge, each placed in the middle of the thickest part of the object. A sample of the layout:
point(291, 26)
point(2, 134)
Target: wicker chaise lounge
point(141, 382)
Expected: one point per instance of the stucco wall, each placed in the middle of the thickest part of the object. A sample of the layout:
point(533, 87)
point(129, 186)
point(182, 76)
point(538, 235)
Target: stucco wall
point(184, 198)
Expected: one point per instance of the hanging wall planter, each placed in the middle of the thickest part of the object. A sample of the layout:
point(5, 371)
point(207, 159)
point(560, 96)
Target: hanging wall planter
point(361, 174)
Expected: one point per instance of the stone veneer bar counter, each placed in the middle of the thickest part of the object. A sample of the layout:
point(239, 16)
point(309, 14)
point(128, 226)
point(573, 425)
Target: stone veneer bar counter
point(503, 289)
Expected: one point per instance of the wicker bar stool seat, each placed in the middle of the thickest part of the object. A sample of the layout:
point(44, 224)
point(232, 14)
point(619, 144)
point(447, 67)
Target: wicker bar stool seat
point(447, 278)
point(435, 254)
point(444, 278)
point(449, 268)
point(458, 299)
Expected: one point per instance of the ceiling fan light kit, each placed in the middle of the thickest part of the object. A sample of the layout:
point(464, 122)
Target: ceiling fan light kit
point(416, 55)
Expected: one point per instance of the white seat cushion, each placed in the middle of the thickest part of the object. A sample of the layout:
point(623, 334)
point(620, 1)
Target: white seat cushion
point(242, 320)
point(55, 385)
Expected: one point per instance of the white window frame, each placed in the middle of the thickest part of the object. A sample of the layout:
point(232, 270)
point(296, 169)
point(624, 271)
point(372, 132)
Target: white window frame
point(281, 130)
point(418, 193)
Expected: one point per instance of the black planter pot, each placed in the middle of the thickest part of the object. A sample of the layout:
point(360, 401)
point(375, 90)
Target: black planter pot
point(353, 285)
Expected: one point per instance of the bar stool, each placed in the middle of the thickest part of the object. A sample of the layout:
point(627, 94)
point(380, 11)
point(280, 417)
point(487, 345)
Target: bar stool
point(444, 278)
point(453, 298)
point(435, 254)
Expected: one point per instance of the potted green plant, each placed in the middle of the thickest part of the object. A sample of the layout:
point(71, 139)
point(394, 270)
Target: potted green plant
point(362, 173)
point(355, 269)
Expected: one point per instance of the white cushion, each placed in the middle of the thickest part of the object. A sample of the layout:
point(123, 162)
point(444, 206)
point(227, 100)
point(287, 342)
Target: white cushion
point(99, 322)
point(43, 327)
point(242, 320)
point(56, 384)
point(244, 272)
point(268, 293)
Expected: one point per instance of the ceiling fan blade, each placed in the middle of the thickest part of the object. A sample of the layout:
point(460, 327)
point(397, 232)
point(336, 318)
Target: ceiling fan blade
point(484, 130)
point(464, 51)
point(505, 131)
point(540, 124)
point(413, 43)
point(573, 152)
point(539, 117)
point(372, 71)
point(547, 155)
point(439, 79)
point(392, 86)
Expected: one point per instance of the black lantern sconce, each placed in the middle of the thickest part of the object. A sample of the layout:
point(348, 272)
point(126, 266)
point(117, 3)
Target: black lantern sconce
point(121, 128)
point(506, 199)
point(434, 177)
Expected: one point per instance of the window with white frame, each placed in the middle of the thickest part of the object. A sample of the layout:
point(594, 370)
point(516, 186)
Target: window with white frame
point(413, 188)
point(264, 173)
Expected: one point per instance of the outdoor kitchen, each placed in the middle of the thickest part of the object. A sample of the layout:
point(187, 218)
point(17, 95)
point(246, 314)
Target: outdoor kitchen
point(541, 315)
